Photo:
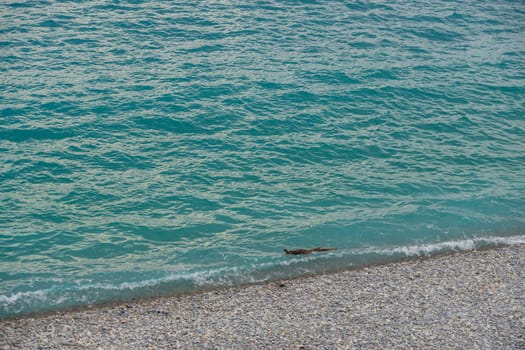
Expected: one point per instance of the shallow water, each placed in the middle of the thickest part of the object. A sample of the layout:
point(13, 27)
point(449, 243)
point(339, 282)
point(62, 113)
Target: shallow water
point(152, 147)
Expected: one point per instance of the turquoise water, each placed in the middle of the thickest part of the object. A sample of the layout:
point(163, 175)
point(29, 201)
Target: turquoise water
point(155, 147)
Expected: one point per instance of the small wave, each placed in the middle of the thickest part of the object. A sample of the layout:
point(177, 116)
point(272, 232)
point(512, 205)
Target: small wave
point(189, 280)
point(39, 295)
point(61, 296)
point(197, 277)
point(440, 247)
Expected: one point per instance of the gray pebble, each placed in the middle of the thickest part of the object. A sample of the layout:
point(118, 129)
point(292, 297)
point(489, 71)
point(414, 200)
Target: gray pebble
point(471, 300)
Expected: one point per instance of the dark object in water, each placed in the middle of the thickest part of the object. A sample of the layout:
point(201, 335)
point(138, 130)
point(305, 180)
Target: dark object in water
point(307, 251)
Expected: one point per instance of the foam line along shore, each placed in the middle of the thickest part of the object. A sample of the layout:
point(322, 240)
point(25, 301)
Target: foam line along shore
point(90, 292)
point(471, 299)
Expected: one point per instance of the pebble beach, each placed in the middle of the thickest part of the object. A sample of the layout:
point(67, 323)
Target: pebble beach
point(465, 300)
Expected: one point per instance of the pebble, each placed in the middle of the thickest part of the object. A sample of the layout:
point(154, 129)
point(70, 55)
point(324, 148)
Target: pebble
point(469, 300)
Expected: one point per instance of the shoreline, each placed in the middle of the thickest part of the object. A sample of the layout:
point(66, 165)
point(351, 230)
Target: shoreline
point(457, 299)
point(178, 294)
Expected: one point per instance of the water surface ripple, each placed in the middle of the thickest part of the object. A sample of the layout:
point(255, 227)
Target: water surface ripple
point(150, 147)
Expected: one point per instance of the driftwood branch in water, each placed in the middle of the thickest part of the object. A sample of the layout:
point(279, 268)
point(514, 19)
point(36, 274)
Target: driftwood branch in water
point(307, 251)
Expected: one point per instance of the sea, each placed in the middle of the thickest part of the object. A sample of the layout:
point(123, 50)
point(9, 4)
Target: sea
point(155, 147)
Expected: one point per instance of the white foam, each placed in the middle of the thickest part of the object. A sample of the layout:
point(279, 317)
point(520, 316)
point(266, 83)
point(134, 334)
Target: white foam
point(198, 277)
point(39, 295)
point(458, 245)
point(248, 274)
